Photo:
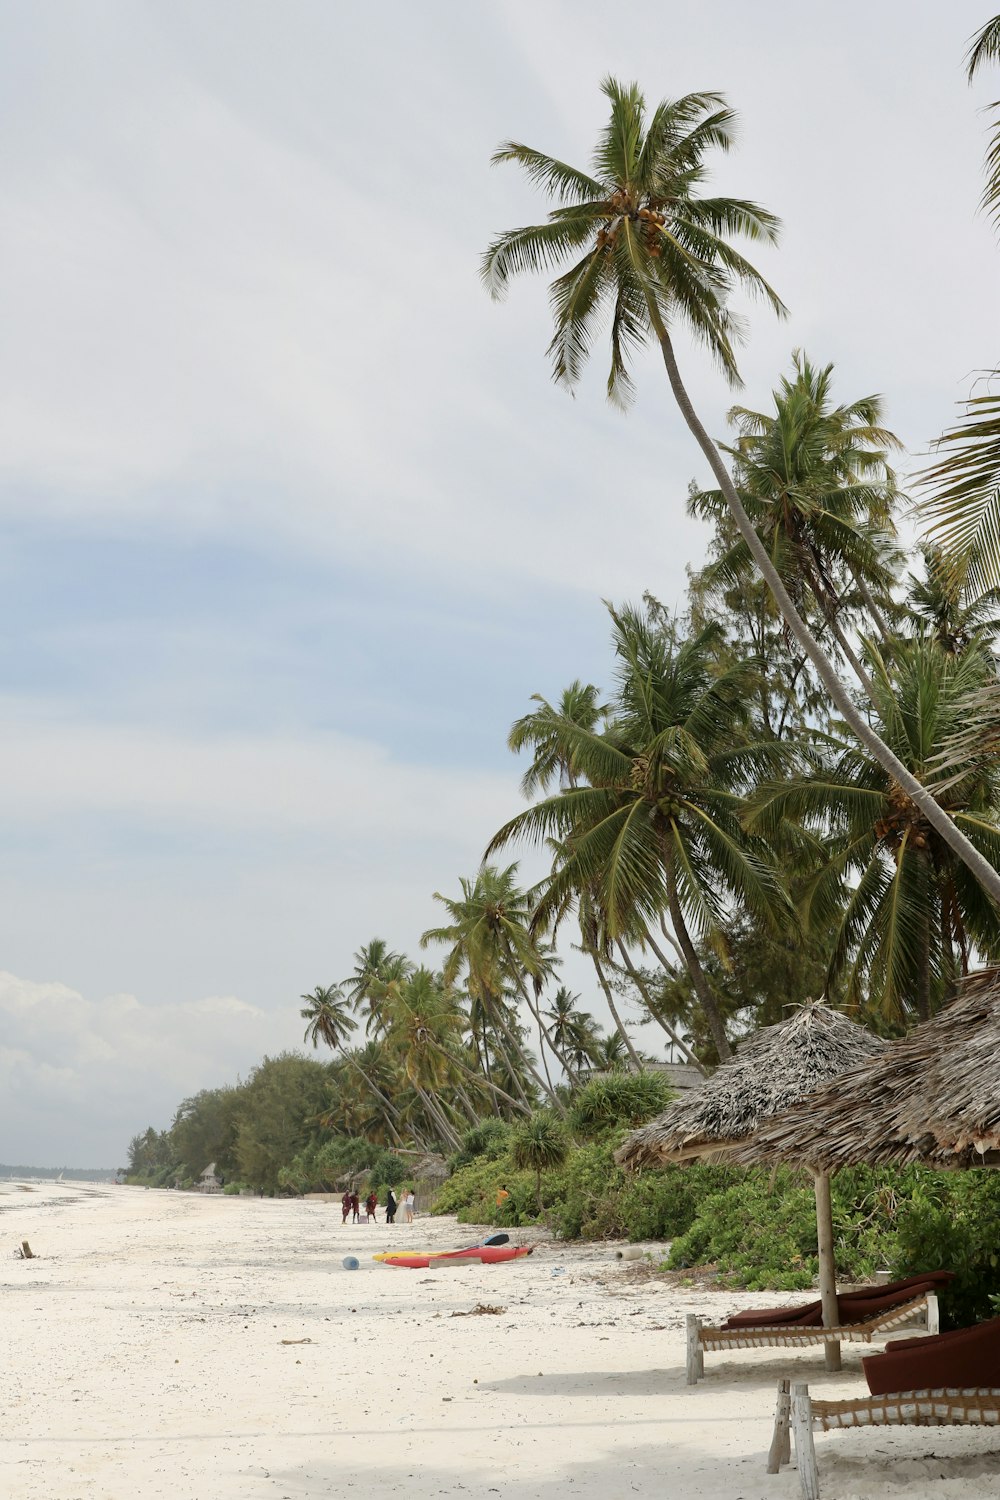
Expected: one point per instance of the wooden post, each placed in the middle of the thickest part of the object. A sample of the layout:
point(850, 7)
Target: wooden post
point(26, 1251)
point(933, 1314)
point(695, 1352)
point(780, 1450)
point(827, 1267)
point(805, 1449)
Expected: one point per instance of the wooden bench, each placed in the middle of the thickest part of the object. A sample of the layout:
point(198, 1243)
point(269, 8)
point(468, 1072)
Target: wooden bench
point(793, 1336)
point(797, 1412)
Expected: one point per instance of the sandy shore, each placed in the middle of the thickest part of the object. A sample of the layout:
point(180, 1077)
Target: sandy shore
point(145, 1354)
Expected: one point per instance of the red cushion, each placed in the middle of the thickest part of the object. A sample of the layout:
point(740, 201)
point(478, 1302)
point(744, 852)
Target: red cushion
point(853, 1307)
point(963, 1357)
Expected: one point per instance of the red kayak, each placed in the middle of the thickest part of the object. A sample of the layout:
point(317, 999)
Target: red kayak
point(487, 1255)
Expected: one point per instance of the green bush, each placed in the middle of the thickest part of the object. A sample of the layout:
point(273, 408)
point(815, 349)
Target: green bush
point(489, 1139)
point(948, 1221)
point(619, 1099)
point(232, 1189)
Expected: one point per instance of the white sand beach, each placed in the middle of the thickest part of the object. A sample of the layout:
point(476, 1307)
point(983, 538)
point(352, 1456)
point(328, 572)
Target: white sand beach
point(214, 1348)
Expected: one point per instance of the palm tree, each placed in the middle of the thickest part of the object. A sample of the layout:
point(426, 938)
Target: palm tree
point(375, 966)
point(654, 255)
point(815, 482)
point(657, 826)
point(490, 942)
point(328, 1014)
point(553, 762)
point(984, 48)
point(942, 604)
point(963, 488)
point(910, 913)
point(539, 1145)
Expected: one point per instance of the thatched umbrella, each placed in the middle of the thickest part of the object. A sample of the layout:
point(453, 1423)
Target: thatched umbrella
point(775, 1068)
point(932, 1097)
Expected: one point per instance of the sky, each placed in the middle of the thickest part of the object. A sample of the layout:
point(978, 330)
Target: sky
point(293, 521)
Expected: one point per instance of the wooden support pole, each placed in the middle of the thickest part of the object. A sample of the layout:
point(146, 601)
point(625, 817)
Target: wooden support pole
point(26, 1251)
point(805, 1449)
point(780, 1450)
point(695, 1352)
point(933, 1314)
point(827, 1267)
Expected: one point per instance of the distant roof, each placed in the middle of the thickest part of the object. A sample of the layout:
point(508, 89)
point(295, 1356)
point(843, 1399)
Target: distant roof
point(933, 1097)
point(773, 1068)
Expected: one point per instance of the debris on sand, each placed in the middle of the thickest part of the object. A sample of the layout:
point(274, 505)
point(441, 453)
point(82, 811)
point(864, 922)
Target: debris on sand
point(481, 1309)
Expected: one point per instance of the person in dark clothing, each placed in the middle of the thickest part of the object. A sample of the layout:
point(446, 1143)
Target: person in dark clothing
point(355, 1209)
point(345, 1204)
point(390, 1208)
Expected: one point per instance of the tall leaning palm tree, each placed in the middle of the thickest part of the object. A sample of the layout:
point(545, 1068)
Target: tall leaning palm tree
point(646, 248)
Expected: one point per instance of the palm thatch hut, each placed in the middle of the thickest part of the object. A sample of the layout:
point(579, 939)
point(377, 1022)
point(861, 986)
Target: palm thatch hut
point(773, 1069)
point(932, 1097)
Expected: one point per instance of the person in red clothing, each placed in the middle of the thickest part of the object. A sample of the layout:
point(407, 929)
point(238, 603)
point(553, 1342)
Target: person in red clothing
point(355, 1209)
point(371, 1204)
point(345, 1204)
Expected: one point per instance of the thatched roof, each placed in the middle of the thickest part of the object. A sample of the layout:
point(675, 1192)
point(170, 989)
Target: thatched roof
point(932, 1097)
point(774, 1068)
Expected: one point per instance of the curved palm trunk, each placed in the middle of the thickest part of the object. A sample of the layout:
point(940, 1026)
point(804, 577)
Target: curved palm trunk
point(699, 979)
point(619, 1023)
point(391, 1116)
point(872, 608)
point(529, 1065)
point(640, 985)
point(497, 1091)
point(557, 1053)
point(825, 670)
point(436, 1114)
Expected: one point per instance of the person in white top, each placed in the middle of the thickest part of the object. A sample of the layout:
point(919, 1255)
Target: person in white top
point(408, 1203)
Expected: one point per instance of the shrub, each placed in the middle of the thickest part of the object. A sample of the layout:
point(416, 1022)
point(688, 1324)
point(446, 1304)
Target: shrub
point(538, 1145)
point(489, 1139)
point(619, 1099)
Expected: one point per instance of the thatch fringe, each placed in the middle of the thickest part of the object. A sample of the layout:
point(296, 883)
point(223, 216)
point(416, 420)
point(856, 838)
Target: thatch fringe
point(932, 1097)
point(773, 1069)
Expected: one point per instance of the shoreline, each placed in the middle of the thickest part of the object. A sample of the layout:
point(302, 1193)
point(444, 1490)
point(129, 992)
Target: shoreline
point(205, 1347)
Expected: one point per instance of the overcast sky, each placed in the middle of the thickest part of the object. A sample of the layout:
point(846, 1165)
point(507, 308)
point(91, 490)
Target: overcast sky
point(293, 520)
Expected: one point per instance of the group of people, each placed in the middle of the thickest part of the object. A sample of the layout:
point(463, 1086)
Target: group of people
point(350, 1204)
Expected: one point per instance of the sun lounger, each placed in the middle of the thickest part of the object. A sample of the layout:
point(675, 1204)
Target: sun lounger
point(869, 1313)
point(939, 1407)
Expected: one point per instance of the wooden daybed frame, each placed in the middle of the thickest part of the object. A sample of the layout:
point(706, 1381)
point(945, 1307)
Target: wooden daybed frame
point(700, 1337)
point(797, 1412)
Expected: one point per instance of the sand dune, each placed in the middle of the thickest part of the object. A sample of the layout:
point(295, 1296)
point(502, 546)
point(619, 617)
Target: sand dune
point(155, 1348)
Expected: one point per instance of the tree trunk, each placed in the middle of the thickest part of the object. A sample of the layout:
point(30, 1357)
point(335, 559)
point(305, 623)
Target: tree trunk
point(497, 1091)
point(529, 1065)
point(699, 979)
point(890, 763)
point(639, 983)
point(619, 1024)
point(543, 1033)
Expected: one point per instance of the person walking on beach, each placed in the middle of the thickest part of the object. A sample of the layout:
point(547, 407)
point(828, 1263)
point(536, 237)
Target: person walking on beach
point(345, 1204)
point(408, 1203)
point(390, 1208)
point(371, 1204)
point(355, 1209)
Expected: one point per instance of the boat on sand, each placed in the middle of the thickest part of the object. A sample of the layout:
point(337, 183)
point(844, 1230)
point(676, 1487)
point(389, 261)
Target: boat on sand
point(420, 1260)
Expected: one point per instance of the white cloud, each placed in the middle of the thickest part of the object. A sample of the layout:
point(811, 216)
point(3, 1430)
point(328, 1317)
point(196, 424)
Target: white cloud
point(321, 783)
point(112, 1065)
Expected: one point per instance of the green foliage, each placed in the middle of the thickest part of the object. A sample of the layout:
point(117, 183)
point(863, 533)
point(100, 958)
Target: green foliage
point(278, 1116)
point(619, 1099)
point(949, 1221)
point(233, 1189)
point(489, 1139)
point(761, 1232)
